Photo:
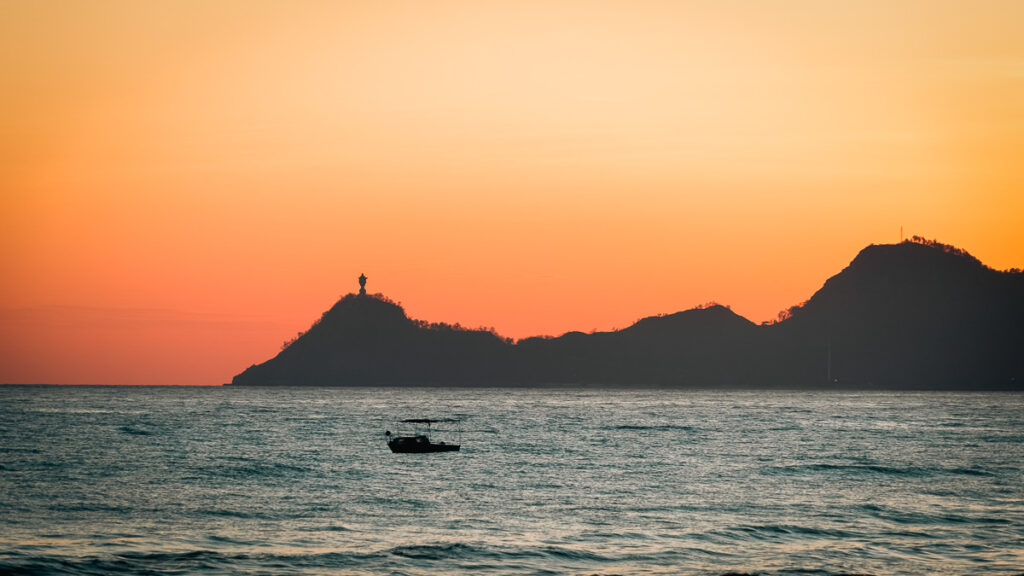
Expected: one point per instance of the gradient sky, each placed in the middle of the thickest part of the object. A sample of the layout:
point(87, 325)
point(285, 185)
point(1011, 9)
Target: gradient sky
point(184, 185)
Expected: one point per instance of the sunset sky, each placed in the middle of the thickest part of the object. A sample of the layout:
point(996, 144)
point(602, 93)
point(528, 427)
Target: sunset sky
point(185, 185)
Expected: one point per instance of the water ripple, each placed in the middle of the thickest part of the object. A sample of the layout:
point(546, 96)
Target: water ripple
point(298, 481)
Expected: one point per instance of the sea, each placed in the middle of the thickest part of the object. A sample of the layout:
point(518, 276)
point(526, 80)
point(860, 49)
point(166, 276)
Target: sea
point(227, 480)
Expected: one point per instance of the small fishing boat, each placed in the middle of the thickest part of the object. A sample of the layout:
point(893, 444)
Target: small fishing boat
point(419, 440)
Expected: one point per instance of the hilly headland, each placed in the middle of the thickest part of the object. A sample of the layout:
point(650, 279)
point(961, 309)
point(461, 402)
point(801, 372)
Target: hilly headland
point(914, 315)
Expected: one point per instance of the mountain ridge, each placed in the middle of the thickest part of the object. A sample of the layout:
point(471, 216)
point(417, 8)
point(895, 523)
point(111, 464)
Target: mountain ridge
point(919, 315)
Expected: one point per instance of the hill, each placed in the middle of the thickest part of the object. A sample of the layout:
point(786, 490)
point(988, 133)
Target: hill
point(917, 315)
point(369, 340)
point(912, 315)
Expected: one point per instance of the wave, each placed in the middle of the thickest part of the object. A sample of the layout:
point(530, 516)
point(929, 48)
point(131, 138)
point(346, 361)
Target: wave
point(770, 533)
point(126, 563)
point(187, 561)
point(773, 530)
point(971, 472)
point(436, 551)
point(424, 558)
point(906, 517)
point(872, 469)
point(327, 528)
point(91, 506)
point(457, 550)
point(852, 469)
point(257, 470)
point(10, 450)
point(654, 427)
point(133, 431)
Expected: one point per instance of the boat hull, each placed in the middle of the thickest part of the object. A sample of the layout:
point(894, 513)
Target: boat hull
point(412, 446)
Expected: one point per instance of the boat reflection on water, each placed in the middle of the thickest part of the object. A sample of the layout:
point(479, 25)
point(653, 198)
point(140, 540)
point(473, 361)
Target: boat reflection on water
point(419, 440)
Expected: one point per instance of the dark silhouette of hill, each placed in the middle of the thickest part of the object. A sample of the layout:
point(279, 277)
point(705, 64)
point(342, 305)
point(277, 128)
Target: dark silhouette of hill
point(695, 348)
point(366, 339)
point(911, 315)
point(919, 315)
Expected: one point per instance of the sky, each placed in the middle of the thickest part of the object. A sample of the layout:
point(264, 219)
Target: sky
point(185, 185)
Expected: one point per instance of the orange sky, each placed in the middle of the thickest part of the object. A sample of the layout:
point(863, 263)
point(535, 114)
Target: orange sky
point(184, 185)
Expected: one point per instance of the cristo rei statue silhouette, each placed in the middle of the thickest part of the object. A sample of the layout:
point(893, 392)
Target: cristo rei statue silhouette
point(362, 284)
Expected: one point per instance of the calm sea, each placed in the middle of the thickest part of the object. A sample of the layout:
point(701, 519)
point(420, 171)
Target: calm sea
point(106, 480)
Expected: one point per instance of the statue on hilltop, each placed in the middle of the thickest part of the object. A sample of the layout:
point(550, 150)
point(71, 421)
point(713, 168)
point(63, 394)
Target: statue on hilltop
point(362, 284)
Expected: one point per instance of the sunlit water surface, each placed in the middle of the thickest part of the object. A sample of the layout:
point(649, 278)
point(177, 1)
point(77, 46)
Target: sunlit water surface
point(299, 481)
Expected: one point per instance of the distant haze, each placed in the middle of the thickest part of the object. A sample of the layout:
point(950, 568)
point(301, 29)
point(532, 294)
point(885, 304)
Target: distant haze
point(184, 186)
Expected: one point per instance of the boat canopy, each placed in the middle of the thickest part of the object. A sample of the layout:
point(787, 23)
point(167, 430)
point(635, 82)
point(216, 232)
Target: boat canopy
point(428, 420)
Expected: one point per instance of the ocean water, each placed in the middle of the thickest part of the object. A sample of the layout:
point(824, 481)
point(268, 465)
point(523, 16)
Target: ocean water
point(107, 480)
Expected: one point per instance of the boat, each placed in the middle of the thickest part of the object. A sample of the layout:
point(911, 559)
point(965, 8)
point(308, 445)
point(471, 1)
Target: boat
point(419, 441)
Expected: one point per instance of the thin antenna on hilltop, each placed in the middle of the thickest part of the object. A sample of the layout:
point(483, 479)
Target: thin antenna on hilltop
point(829, 358)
